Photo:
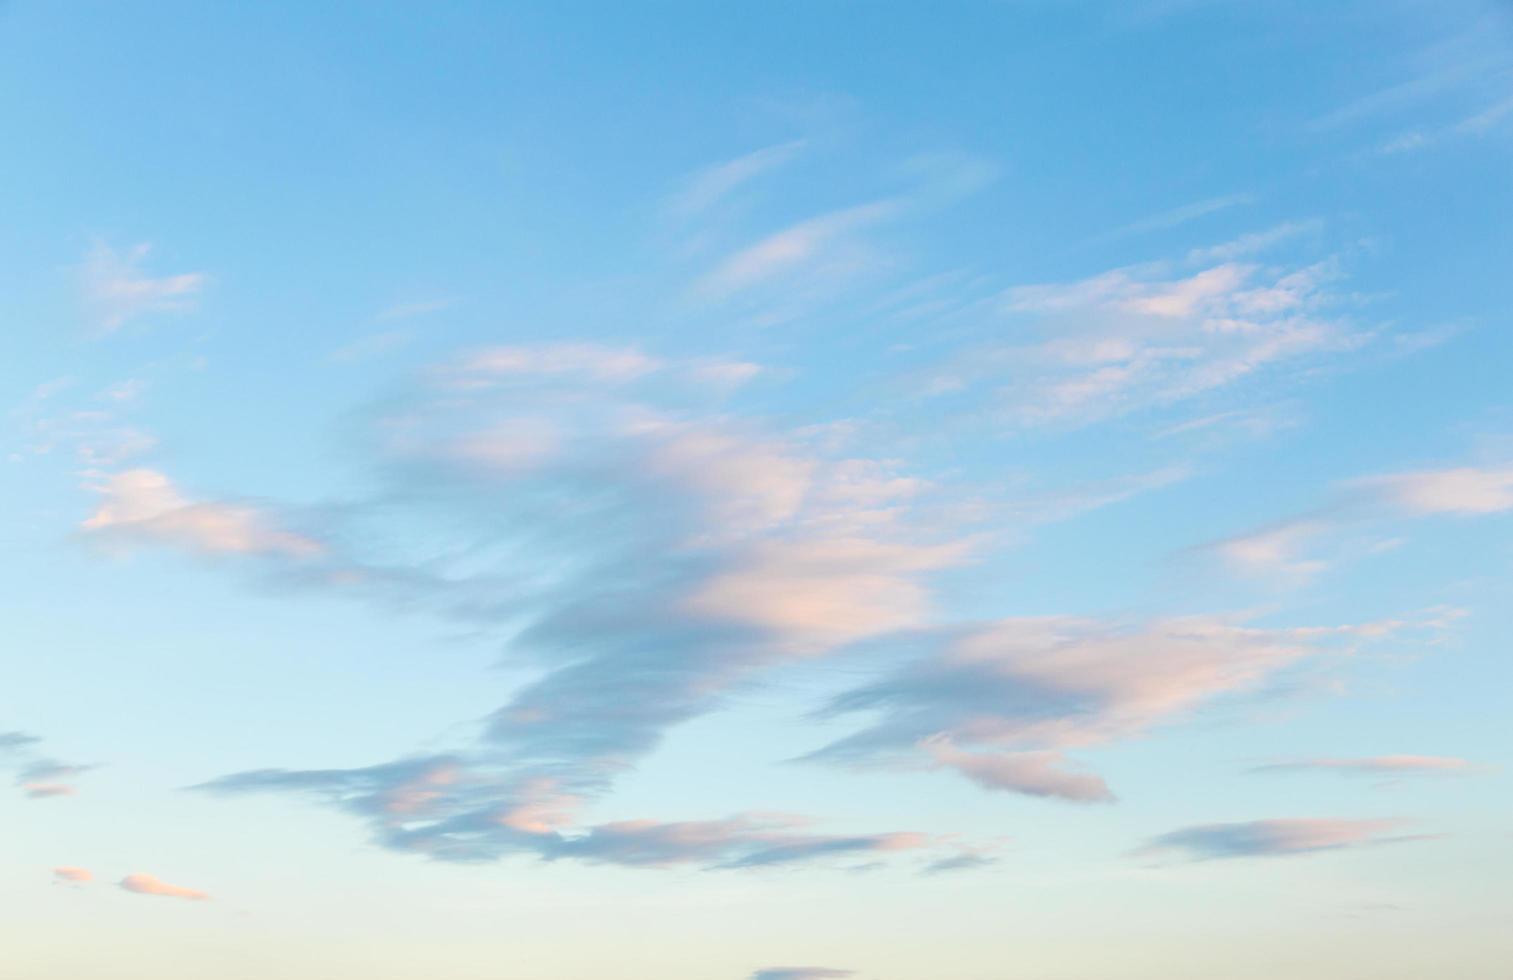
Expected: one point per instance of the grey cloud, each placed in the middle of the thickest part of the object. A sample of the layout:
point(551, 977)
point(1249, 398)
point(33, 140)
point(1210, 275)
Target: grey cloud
point(1002, 703)
point(643, 560)
point(1273, 838)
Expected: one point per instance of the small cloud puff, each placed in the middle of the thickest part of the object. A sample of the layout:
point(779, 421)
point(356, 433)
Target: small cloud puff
point(143, 884)
point(72, 875)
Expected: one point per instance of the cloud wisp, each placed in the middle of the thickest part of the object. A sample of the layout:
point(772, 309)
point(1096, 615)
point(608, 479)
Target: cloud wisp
point(145, 884)
point(1002, 704)
point(801, 973)
point(1377, 765)
point(38, 776)
point(117, 291)
point(1274, 838)
point(145, 504)
point(642, 559)
point(1151, 337)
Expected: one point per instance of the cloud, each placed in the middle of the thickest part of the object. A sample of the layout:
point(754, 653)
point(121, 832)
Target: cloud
point(801, 973)
point(1273, 838)
point(117, 291)
point(1276, 552)
point(1028, 773)
point(643, 561)
point(70, 875)
point(142, 884)
point(1179, 216)
point(406, 311)
point(143, 504)
point(593, 361)
point(1150, 337)
point(39, 777)
point(1023, 692)
point(805, 243)
point(450, 810)
point(714, 184)
point(1380, 765)
point(10, 741)
point(1465, 490)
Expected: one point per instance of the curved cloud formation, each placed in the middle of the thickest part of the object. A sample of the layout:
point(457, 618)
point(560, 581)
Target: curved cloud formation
point(644, 559)
point(1273, 838)
point(1002, 703)
point(142, 884)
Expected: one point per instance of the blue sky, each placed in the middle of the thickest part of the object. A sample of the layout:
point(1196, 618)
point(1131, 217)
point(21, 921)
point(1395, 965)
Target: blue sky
point(766, 492)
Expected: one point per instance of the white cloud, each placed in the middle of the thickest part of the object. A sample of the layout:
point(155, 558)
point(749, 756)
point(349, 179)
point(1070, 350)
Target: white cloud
point(1464, 490)
point(144, 884)
point(117, 291)
point(143, 503)
point(714, 184)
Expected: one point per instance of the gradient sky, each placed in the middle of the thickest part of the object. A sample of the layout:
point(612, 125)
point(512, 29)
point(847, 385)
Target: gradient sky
point(756, 492)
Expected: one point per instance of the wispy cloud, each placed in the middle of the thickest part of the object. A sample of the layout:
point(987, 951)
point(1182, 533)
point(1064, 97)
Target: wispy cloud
point(1003, 703)
point(144, 884)
point(118, 291)
point(1151, 337)
point(714, 184)
point(679, 554)
point(801, 245)
point(144, 505)
point(1378, 765)
point(38, 776)
point(72, 876)
point(1274, 838)
point(801, 973)
point(1464, 490)
point(1178, 216)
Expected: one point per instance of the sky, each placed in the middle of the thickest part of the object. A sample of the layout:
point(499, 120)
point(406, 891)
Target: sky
point(775, 491)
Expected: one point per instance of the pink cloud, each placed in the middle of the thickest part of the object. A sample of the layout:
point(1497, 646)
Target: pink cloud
point(144, 884)
point(73, 875)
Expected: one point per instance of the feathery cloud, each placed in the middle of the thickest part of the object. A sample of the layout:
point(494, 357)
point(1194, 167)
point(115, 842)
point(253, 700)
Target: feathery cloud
point(673, 555)
point(1025, 691)
point(117, 291)
point(713, 184)
point(73, 876)
point(143, 504)
point(144, 884)
point(1274, 838)
point(1379, 765)
point(39, 777)
point(1464, 490)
